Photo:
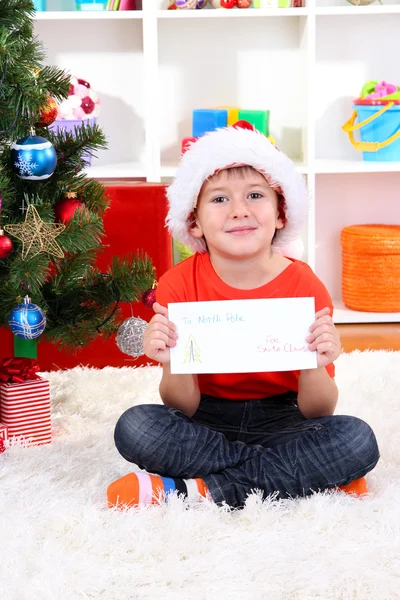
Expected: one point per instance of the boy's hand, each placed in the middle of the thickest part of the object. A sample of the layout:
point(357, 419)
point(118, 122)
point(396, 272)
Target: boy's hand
point(324, 338)
point(159, 336)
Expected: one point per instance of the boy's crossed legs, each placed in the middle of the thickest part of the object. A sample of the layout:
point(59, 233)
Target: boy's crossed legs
point(233, 448)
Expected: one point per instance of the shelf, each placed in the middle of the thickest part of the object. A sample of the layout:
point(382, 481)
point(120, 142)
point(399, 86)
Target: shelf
point(315, 65)
point(388, 9)
point(342, 314)
point(355, 166)
point(57, 15)
point(324, 167)
point(168, 171)
point(117, 171)
point(220, 13)
point(232, 14)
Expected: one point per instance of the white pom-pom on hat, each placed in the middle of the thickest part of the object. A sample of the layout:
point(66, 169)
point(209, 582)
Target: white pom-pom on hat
point(229, 147)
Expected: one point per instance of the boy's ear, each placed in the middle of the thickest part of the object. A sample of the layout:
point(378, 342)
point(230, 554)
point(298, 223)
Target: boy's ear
point(279, 224)
point(194, 225)
point(281, 213)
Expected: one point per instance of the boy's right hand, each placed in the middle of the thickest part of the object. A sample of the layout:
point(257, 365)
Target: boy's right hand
point(159, 336)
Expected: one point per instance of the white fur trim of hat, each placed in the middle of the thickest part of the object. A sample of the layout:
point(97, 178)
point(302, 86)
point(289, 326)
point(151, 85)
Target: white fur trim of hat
point(228, 147)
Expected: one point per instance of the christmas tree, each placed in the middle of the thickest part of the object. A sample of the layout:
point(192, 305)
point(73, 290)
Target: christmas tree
point(192, 351)
point(51, 259)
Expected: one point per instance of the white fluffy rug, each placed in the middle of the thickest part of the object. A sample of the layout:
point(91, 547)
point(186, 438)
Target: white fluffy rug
point(60, 542)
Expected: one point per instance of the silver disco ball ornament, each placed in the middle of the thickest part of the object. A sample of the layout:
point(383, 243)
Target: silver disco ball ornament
point(130, 336)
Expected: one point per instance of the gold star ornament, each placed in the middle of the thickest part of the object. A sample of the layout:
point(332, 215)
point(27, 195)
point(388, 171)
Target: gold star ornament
point(36, 235)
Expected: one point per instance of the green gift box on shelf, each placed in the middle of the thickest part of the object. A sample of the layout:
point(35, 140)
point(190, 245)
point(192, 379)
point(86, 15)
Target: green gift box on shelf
point(258, 118)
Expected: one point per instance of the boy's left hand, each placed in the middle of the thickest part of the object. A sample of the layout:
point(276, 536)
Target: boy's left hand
point(324, 338)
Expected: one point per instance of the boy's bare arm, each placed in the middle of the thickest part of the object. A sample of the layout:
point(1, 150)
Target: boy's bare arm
point(318, 393)
point(179, 391)
point(176, 391)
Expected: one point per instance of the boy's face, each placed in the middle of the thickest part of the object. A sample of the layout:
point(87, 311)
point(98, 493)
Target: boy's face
point(237, 213)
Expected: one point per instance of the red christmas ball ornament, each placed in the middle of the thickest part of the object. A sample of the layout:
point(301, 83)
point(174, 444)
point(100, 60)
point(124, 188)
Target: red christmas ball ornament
point(244, 3)
point(48, 114)
point(51, 271)
point(228, 3)
point(5, 245)
point(149, 297)
point(64, 209)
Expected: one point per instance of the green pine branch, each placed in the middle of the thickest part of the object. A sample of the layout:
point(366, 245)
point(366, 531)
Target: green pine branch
point(132, 275)
point(71, 239)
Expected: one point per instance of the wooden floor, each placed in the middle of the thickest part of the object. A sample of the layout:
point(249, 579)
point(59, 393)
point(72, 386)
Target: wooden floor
point(376, 336)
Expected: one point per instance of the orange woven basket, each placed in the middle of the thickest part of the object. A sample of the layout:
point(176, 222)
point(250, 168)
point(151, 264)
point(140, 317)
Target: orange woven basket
point(371, 267)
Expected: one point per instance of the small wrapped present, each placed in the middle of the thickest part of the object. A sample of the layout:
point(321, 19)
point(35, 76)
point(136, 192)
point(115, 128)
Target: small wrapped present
point(3, 437)
point(25, 401)
point(3, 432)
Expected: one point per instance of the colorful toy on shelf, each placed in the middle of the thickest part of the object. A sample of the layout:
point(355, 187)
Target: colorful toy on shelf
point(83, 5)
point(233, 113)
point(378, 113)
point(39, 5)
point(231, 3)
point(209, 119)
point(258, 118)
point(121, 5)
point(228, 3)
point(82, 102)
point(362, 2)
point(373, 90)
point(186, 4)
point(277, 3)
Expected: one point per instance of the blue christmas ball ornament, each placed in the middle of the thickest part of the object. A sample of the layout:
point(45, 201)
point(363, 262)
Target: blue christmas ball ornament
point(34, 158)
point(27, 321)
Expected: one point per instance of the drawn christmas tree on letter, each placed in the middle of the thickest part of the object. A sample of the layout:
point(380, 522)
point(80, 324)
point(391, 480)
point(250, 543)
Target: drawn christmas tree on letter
point(192, 351)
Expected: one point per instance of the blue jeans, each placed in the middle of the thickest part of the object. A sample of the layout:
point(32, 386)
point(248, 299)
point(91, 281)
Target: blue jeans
point(238, 447)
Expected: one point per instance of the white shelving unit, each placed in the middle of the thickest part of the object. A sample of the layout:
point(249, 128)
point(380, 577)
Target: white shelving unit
point(152, 67)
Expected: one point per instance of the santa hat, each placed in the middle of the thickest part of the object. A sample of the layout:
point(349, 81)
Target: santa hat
point(228, 147)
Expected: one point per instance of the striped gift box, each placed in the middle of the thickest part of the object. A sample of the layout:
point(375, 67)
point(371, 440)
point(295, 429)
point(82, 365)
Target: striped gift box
point(3, 432)
point(25, 410)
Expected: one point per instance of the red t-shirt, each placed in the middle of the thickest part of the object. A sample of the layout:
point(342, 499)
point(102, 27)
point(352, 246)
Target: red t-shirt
point(195, 279)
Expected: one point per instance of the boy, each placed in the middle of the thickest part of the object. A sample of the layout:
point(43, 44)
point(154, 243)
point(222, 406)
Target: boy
point(240, 205)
